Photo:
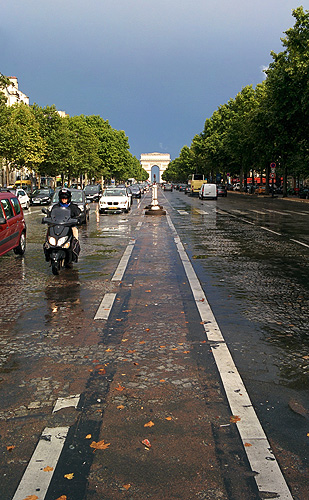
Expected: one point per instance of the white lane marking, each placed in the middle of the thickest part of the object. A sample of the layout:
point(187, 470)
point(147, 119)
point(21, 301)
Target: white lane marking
point(270, 231)
point(66, 402)
point(138, 226)
point(105, 307)
point(296, 213)
point(258, 212)
point(182, 212)
point(269, 477)
point(300, 243)
point(241, 212)
point(118, 275)
point(247, 221)
point(277, 212)
point(202, 212)
point(35, 481)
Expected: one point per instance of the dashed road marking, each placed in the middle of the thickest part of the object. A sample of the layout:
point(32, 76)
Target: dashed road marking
point(201, 212)
point(182, 212)
point(300, 243)
point(118, 275)
point(270, 231)
point(277, 212)
point(70, 401)
point(105, 307)
point(258, 211)
point(268, 476)
point(40, 470)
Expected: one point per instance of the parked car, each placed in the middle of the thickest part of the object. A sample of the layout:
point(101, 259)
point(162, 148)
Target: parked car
point(93, 192)
point(114, 200)
point(12, 224)
point(167, 187)
point(187, 190)
point(42, 196)
point(78, 197)
point(22, 196)
point(221, 190)
point(260, 189)
point(182, 187)
point(304, 192)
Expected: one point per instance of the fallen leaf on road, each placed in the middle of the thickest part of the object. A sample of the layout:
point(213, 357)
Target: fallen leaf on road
point(234, 419)
point(147, 329)
point(100, 445)
point(10, 448)
point(126, 486)
point(120, 388)
point(120, 407)
point(162, 380)
point(88, 436)
point(149, 424)
point(168, 418)
point(186, 352)
point(120, 319)
point(142, 342)
point(63, 497)
point(48, 469)
point(124, 340)
point(69, 476)
point(131, 351)
point(148, 291)
point(146, 443)
point(102, 371)
point(108, 350)
point(248, 444)
point(127, 311)
point(31, 497)
point(162, 346)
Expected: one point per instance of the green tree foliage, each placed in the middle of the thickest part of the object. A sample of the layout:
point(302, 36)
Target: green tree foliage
point(21, 142)
point(261, 125)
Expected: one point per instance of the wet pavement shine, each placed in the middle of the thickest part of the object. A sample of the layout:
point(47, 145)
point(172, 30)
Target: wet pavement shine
point(133, 406)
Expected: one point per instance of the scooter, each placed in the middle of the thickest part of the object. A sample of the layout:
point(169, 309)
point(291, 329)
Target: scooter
point(60, 247)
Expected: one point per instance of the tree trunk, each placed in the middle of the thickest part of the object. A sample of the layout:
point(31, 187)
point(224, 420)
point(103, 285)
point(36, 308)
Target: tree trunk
point(267, 179)
point(285, 182)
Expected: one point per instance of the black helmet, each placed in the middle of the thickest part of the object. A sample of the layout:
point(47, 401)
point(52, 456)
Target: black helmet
point(65, 193)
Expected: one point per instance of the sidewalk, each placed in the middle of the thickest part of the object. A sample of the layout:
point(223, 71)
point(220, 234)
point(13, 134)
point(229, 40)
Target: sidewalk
point(166, 425)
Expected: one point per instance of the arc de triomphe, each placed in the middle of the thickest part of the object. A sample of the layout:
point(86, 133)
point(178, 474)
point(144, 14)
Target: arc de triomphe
point(155, 164)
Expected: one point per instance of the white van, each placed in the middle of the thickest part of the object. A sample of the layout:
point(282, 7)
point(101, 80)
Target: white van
point(208, 191)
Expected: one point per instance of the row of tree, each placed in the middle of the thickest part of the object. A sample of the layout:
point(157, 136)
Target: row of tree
point(40, 140)
point(267, 124)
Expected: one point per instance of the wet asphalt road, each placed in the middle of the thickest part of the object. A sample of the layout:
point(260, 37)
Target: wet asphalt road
point(251, 256)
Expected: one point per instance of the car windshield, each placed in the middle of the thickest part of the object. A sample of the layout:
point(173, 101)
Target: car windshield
point(91, 189)
point(114, 192)
point(41, 191)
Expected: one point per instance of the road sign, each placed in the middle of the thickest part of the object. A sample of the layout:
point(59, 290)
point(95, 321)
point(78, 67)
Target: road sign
point(272, 165)
point(272, 175)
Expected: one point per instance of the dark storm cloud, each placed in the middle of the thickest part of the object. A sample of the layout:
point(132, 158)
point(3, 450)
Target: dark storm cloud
point(156, 69)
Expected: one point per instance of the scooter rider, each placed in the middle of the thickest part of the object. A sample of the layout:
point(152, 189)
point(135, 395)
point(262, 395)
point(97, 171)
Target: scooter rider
point(65, 197)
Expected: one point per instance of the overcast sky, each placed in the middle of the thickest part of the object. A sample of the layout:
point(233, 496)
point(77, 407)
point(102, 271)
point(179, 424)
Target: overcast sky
point(154, 68)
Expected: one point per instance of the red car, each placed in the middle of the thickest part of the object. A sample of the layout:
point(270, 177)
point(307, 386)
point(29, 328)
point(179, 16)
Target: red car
point(12, 224)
